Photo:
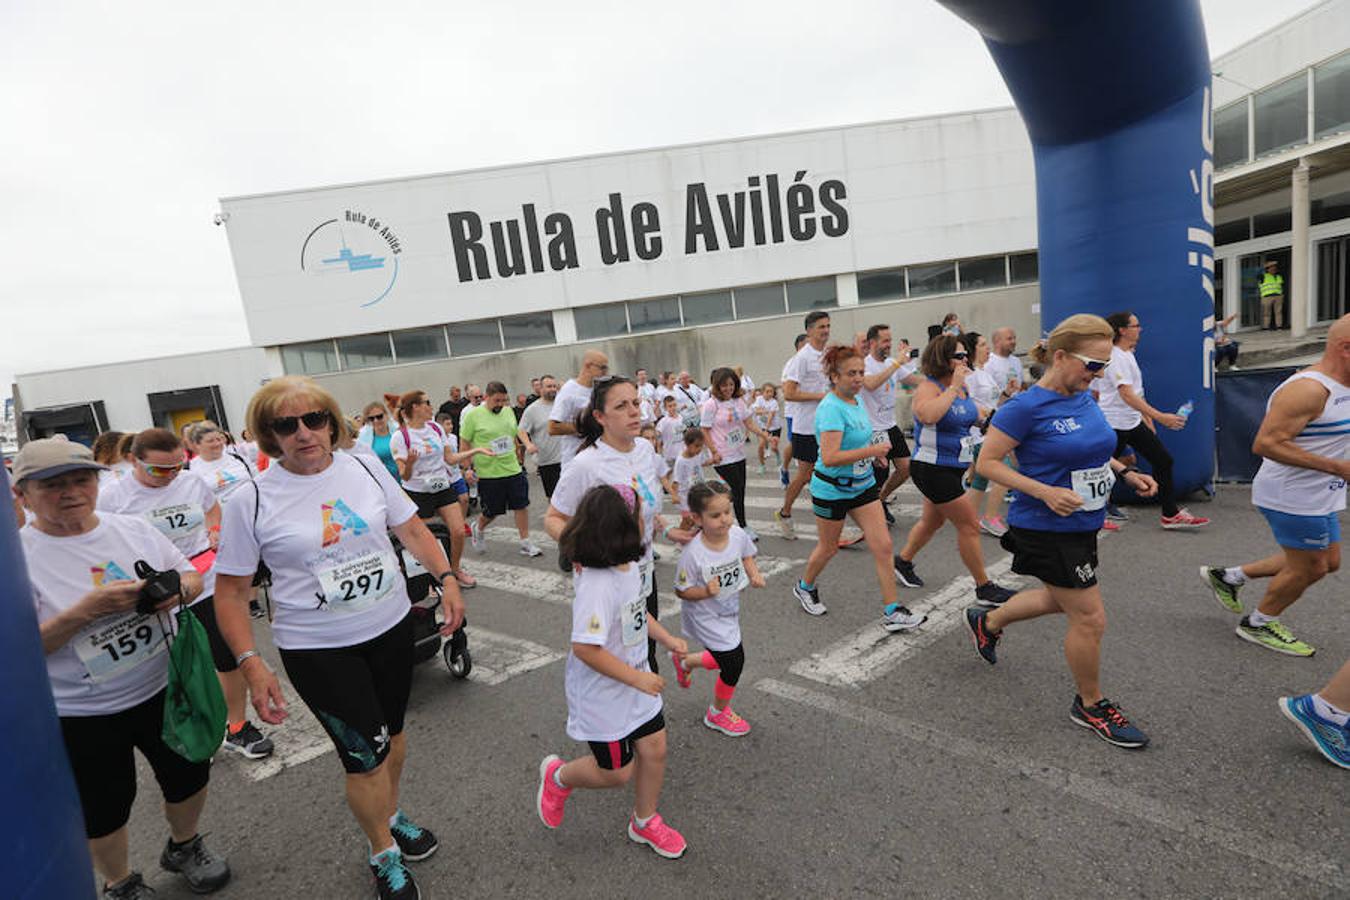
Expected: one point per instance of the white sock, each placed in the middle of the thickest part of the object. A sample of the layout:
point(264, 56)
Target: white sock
point(1258, 618)
point(375, 857)
point(1332, 713)
point(641, 822)
point(557, 779)
point(1234, 575)
point(393, 820)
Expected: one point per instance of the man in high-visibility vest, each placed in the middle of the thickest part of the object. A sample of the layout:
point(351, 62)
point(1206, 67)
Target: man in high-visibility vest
point(1272, 297)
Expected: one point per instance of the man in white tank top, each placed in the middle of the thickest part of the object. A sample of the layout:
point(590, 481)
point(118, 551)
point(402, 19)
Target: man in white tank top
point(1300, 489)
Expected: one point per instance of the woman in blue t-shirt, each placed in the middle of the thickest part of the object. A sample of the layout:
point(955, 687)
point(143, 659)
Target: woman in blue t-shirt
point(375, 434)
point(1064, 448)
point(842, 484)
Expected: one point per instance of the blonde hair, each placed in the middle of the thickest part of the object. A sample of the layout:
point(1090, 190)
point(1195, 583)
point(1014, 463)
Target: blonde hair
point(262, 409)
point(1070, 336)
point(202, 429)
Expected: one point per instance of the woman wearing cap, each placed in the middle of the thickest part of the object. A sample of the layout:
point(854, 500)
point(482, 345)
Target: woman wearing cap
point(107, 662)
point(342, 626)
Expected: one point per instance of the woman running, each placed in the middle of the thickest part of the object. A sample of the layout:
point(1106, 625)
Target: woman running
point(984, 389)
point(725, 417)
point(376, 434)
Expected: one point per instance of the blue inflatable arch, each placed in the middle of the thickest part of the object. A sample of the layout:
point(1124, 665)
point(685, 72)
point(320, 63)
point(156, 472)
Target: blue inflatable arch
point(1116, 99)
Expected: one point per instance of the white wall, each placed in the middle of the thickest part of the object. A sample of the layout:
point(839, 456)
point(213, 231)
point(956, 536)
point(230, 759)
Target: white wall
point(1307, 39)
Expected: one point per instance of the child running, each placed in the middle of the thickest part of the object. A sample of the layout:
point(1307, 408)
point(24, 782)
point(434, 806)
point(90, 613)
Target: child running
point(688, 469)
point(670, 431)
point(716, 566)
point(613, 697)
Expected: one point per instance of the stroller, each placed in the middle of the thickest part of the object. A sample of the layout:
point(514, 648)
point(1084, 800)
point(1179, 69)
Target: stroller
point(425, 595)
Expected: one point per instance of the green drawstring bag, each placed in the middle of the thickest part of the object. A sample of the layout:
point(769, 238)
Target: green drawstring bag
point(194, 705)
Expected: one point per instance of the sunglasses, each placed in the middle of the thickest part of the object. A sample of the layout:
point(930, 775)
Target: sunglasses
point(375, 418)
point(161, 471)
point(960, 356)
point(285, 426)
point(1092, 365)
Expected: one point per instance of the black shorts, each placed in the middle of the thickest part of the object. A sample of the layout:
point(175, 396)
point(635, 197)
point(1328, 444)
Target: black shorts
point(100, 751)
point(774, 432)
point(940, 484)
point(617, 754)
point(899, 446)
point(804, 447)
point(834, 510)
point(1066, 559)
point(221, 654)
point(548, 475)
point(429, 504)
point(358, 693)
point(497, 495)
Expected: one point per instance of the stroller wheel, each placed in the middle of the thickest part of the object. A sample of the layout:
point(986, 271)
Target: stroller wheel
point(459, 663)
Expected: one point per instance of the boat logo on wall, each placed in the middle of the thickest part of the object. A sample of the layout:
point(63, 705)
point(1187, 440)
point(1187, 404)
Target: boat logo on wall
point(358, 253)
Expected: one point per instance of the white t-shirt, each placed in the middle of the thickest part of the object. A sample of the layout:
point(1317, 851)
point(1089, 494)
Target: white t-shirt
point(117, 661)
point(806, 370)
point(789, 406)
point(224, 476)
point(725, 420)
point(688, 472)
point(747, 384)
point(178, 511)
point(766, 412)
point(609, 611)
point(335, 579)
point(716, 622)
point(687, 401)
point(1123, 370)
point(430, 473)
point(1003, 369)
point(880, 403)
point(671, 432)
point(573, 397)
point(640, 468)
point(982, 386)
point(248, 450)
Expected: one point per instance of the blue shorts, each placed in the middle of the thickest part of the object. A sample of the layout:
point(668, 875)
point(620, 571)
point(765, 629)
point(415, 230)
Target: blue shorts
point(460, 487)
point(1310, 533)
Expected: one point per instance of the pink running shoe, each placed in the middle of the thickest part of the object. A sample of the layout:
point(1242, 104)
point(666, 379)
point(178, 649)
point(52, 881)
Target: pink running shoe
point(551, 797)
point(1183, 521)
point(726, 722)
point(682, 675)
point(464, 579)
point(659, 836)
point(1108, 525)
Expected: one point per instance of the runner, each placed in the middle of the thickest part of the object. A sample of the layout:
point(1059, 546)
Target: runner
point(690, 397)
point(804, 384)
point(320, 519)
point(613, 699)
point(1300, 489)
point(789, 411)
point(105, 454)
point(376, 434)
point(223, 469)
point(688, 469)
point(983, 385)
point(882, 372)
point(1324, 717)
point(538, 440)
point(110, 700)
point(943, 449)
point(1064, 445)
point(572, 400)
point(725, 417)
point(454, 406)
point(765, 408)
point(501, 480)
point(843, 484)
point(670, 432)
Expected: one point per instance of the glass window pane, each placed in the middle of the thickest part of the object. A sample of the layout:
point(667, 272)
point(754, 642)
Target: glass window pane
point(878, 287)
point(1026, 267)
point(653, 315)
point(419, 344)
point(939, 278)
point(467, 338)
point(529, 330)
point(1272, 223)
point(1333, 206)
point(1331, 96)
point(702, 309)
point(765, 300)
point(804, 296)
point(365, 350)
point(1230, 134)
point(600, 321)
point(1281, 115)
point(1232, 232)
point(309, 359)
point(985, 272)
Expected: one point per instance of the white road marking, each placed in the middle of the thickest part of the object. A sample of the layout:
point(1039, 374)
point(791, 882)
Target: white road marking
point(499, 657)
point(1262, 849)
point(297, 740)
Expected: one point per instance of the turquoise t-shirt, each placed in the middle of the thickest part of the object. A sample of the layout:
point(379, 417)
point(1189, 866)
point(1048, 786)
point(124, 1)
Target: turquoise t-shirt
point(380, 444)
point(834, 414)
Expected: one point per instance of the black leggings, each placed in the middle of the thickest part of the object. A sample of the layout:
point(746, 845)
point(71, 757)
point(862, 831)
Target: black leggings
point(734, 475)
point(730, 664)
point(1142, 439)
point(653, 608)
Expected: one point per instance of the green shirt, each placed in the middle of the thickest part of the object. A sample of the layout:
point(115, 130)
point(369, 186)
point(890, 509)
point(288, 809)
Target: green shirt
point(481, 427)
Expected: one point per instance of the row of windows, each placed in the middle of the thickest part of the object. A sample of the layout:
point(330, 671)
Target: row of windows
point(946, 277)
point(688, 310)
point(1277, 117)
point(1327, 209)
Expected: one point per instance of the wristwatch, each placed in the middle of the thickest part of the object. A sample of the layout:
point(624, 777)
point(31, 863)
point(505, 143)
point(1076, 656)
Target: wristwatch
point(448, 573)
point(1127, 470)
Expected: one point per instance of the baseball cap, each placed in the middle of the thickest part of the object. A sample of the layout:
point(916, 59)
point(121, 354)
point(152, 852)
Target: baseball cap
point(49, 457)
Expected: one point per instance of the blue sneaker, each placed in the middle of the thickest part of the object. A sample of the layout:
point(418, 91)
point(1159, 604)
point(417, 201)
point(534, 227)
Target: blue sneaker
point(1331, 740)
point(783, 476)
point(1105, 720)
point(414, 842)
point(393, 881)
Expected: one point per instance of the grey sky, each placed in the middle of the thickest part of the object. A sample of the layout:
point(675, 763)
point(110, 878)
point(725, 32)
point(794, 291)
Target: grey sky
point(125, 122)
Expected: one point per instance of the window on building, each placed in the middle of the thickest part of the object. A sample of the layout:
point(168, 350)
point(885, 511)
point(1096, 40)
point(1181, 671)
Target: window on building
point(602, 320)
point(878, 287)
point(804, 296)
point(1276, 222)
point(313, 358)
point(419, 344)
point(654, 315)
point(1232, 232)
point(528, 330)
point(939, 278)
point(983, 272)
point(1230, 134)
point(1331, 96)
point(1331, 207)
point(754, 302)
point(366, 350)
point(704, 309)
point(468, 338)
point(1280, 115)
point(1026, 267)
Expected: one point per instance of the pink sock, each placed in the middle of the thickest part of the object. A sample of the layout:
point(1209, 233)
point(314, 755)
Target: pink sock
point(708, 660)
point(723, 691)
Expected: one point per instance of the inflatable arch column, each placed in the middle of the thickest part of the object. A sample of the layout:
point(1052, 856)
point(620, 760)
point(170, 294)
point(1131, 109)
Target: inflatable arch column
point(1116, 99)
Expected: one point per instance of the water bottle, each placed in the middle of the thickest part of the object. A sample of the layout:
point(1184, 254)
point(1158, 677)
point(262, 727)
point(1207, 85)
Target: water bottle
point(1186, 409)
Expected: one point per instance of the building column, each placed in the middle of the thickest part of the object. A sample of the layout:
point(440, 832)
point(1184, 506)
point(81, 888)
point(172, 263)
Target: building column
point(1299, 270)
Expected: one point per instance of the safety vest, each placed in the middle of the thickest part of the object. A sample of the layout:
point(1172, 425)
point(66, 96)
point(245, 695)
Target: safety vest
point(1272, 285)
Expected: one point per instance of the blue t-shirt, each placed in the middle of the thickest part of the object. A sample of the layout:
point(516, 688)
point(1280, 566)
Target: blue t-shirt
point(941, 444)
point(834, 414)
point(380, 444)
point(1065, 442)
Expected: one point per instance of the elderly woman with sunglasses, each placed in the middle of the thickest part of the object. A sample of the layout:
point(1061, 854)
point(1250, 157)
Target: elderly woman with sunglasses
point(320, 520)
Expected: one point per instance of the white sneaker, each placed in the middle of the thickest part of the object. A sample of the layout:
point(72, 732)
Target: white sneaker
point(784, 525)
point(476, 537)
point(530, 548)
point(810, 600)
point(897, 618)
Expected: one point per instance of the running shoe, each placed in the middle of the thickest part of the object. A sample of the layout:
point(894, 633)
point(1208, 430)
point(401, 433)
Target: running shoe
point(414, 842)
point(783, 476)
point(905, 574)
point(810, 600)
point(751, 533)
point(464, 579)
point(684, 676)
point(1116, 514)
point(762, 469)
point(530, 548)
point(476, 537)
point(665, 840)
point(1106, 721)
point(726, 722)
point(1183, 521)
point(550, 800)
point(468, 532)
point(205, 871)
point(393, 881)
point(993, 525)
point(850, 536)
point(133, 887)
point(1330, 739)
point(986, 641)
point(248, 742)
point(991, 594)
point(1273, 636)
point(890, 516)
point(897, 617)
point(1108, 525)
point(1224, 590)
point(784, 525)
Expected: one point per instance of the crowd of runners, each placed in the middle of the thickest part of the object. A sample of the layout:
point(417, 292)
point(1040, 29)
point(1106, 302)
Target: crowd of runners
point(295, 522)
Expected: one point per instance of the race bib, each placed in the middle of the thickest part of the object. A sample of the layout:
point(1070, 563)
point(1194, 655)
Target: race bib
point(730, 576)
point(357, 584)
point(735, 437)
point(879, 437)
point(437, 483)
point(1094, 486)
point(635, 611)
point(968, 445)
point(646, 570)
point(502, 445)
point(109, 649)
point(178, 520)
point(862, 467)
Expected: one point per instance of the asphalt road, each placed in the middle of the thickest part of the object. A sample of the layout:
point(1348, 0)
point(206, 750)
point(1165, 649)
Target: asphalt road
point(877, 765)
